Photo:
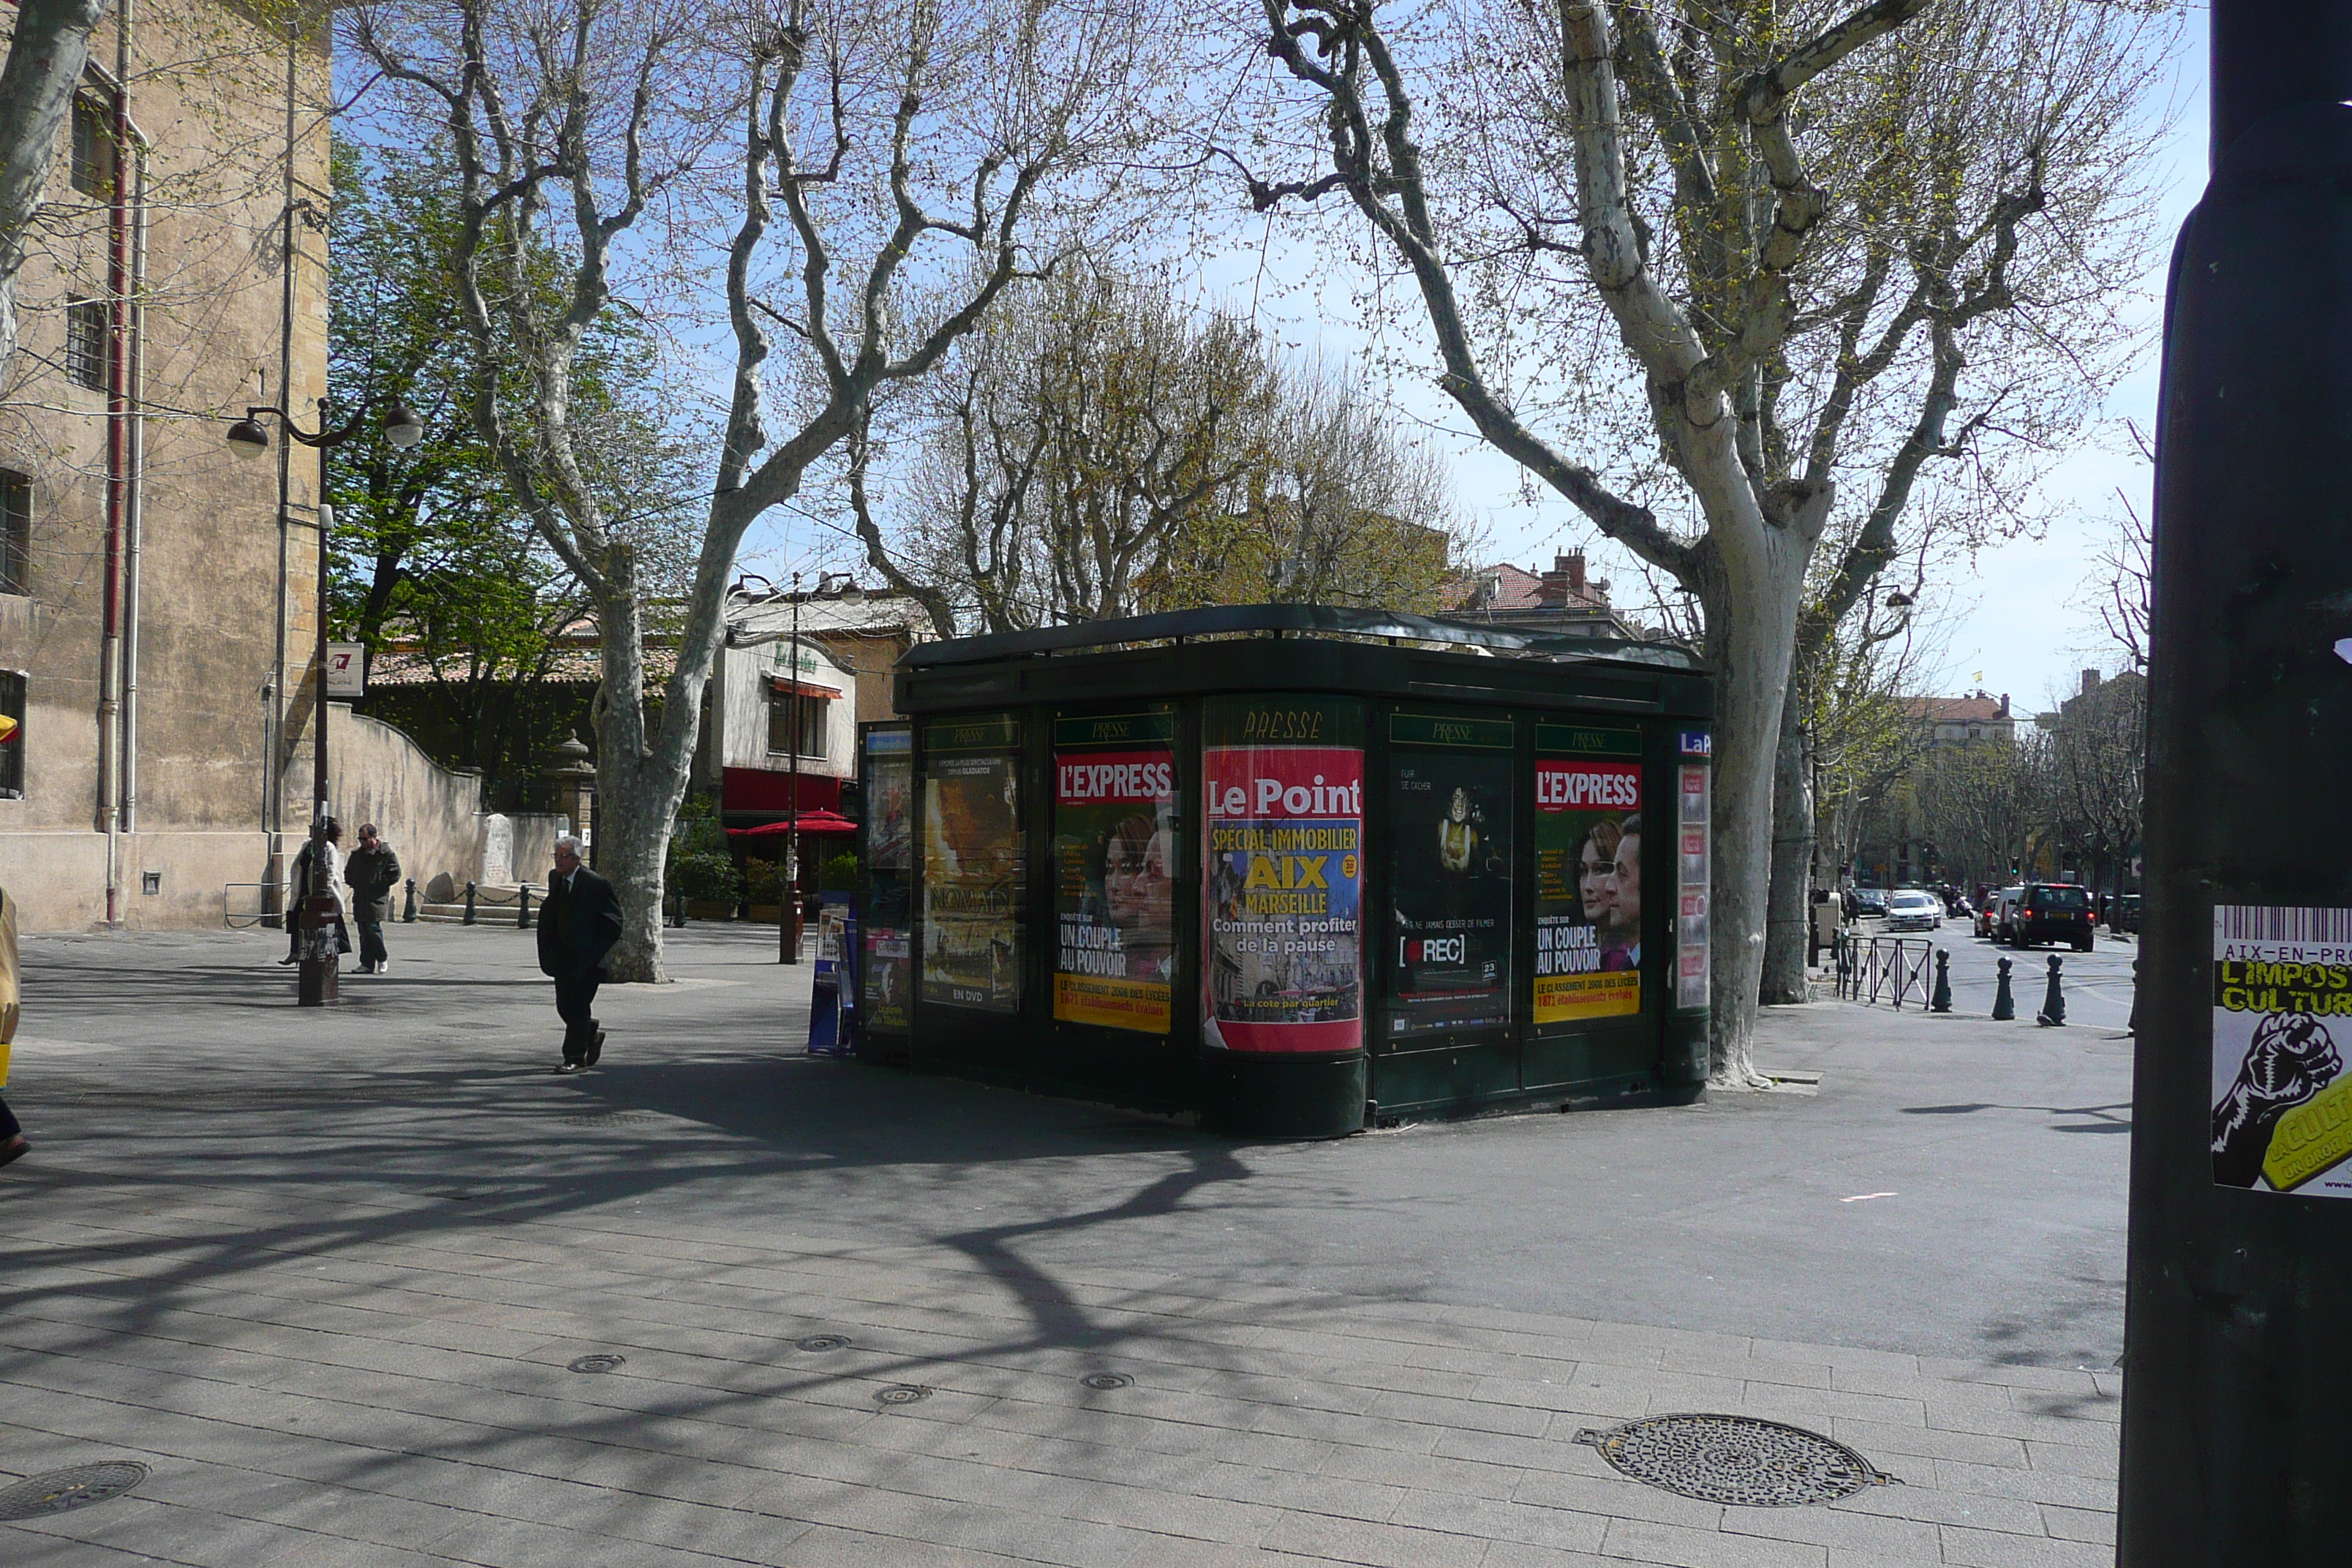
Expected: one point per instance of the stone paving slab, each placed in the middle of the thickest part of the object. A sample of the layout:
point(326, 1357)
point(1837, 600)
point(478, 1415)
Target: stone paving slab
point(309, 1409)
point(329, 1293)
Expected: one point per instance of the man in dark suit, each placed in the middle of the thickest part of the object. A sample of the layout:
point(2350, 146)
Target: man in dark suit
point(577, 927)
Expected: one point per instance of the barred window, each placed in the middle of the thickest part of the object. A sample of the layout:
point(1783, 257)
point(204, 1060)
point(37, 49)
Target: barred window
point(12, 749)
point(93, 148)
point(16, 534)
point(86, 343)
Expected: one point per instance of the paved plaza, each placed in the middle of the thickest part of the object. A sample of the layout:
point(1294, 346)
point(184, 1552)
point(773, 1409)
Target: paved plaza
point(326, 1274)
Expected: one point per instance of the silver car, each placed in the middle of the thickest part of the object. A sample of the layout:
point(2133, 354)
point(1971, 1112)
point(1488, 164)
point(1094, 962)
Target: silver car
point(1911, 910)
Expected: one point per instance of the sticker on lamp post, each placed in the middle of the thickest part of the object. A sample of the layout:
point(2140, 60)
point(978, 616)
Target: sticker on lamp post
point(2282, 1099)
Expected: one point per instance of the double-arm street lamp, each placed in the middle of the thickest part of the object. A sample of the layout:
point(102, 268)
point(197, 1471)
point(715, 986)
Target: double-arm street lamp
point(249, 439)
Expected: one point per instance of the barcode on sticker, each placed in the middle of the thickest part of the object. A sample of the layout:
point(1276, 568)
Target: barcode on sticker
point(2257, 923)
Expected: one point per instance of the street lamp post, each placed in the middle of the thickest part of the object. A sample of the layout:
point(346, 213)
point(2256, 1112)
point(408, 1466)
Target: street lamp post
point(315, 987)
point(789, 938)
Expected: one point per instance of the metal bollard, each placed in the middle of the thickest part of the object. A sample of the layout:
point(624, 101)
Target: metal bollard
point(408, 910)
point(1943, 1001)
point(523, 915)
point(469, 903)
point(2054, 1002)
point(2004, 1006)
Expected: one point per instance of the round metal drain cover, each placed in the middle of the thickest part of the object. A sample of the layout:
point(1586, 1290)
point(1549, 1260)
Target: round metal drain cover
point(901, 1394)
point(61, 1491)
point(824, 1342)
point(1735, 1460)
point(1107, 1379)
point(596, 1364)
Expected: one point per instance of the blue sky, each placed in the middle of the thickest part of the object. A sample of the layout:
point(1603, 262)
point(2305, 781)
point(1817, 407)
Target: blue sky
point(2017, 621)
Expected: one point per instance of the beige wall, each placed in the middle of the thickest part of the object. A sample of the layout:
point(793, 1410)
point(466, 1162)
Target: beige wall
point(740, 714)
point(207, 88)
point(432, 818)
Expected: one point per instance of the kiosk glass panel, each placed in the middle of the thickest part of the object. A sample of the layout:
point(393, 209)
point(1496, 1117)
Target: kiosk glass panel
point(974, 871)
point(1449, 874)
point(885, 975)
point(1588, 831)
point(1282, 882)
point(1114, 882)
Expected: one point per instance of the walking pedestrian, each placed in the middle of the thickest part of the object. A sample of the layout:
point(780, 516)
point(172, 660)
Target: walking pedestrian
point(372, 871)
point(298, 891)
point(13, 1146)
point(577, 927)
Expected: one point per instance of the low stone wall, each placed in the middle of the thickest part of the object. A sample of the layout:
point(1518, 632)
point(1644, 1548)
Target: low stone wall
point(431, 816)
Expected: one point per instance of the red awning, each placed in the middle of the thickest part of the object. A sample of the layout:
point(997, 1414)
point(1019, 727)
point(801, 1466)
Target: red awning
point(810, 822)
point(766, 790)
point(822, 693)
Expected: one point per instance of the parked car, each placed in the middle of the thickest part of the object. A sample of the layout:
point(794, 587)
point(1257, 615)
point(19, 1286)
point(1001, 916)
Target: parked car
point(1870, 901)
point(1913, 909)
point(2052, 912)
point(1992, 919)
point(2127, 914)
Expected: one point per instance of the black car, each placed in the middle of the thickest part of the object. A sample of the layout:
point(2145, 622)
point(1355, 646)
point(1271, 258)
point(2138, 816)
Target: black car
point(2053, 911)
point(1870, 901)
point(2126, 914)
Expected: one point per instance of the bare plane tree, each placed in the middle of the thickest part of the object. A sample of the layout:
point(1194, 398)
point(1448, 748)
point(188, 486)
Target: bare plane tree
point(866, 178)
point(1748, 254)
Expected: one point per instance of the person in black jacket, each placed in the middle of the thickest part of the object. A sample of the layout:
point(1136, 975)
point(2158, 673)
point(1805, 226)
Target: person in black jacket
point(373, 871)
point(577, 927)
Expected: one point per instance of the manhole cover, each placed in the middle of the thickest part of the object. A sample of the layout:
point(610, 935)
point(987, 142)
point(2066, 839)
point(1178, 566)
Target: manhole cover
point(78, 1486)
point(901, 1394)
point(1107, 1379)
point(824, 1342)
point(595, 1364)
point(1735, 1460)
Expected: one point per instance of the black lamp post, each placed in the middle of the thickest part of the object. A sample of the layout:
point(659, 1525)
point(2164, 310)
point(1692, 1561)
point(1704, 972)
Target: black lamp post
point(249, 439)
point(2237, 1365)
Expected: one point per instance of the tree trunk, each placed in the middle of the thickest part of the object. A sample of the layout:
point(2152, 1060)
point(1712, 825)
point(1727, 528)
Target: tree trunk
point(632, 830)
point(44, 63)
point(1788, 912)
point(1751, 639)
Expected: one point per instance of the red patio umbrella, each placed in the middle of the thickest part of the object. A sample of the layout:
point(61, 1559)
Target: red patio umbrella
point(810, 822)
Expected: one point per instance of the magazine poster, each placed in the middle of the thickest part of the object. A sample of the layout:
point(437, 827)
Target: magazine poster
point(1588, 890)
point(971, 882)
point(1449, 884)
point(889, 799)
point(1283, 876)
point(1114, 895)
point(2282, 1022)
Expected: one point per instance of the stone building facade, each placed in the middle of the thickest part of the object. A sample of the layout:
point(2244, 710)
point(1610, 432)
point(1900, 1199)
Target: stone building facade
point(155, 602)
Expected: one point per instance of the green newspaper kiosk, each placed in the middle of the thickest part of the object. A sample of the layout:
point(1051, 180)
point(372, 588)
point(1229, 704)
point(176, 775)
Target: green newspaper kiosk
point(1299, 869)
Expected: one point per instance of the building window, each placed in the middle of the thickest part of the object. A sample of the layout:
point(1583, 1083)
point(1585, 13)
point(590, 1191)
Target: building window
point(813, 709)
point(86, 343)
point(16, 534)
point(12, 750)
point(93, 149)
